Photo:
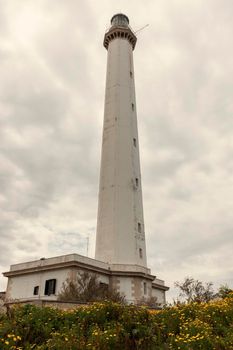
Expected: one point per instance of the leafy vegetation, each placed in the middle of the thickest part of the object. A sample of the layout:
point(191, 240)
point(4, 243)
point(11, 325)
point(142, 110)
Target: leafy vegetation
point(192, 290)
point(224, 291)
point(87, 287)
point(108, 325)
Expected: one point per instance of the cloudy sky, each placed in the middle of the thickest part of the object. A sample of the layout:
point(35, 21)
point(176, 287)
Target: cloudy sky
point(52, 79)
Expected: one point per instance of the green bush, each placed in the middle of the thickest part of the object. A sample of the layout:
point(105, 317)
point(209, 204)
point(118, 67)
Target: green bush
point(108, 325)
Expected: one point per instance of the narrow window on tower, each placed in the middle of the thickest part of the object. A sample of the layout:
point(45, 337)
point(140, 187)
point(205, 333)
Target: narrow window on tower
point(135, 142)
point(139, 227)
point(132, 106)
point(136, 182)
point(131, 74)
point(145, 287)
point(140, 253)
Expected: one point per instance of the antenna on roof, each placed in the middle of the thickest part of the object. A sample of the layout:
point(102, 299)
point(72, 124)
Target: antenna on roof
point(140, 29)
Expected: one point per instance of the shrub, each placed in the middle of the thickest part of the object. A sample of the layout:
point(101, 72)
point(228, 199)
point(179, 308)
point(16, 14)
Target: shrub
point(87, 288)
point(108, 325)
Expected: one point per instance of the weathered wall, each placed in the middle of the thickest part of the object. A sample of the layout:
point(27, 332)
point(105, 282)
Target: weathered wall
point(22, 287)
point(160, 295)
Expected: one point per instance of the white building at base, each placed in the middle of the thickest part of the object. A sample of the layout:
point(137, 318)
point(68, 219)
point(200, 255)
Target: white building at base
point(121, 260)
point(43, 279)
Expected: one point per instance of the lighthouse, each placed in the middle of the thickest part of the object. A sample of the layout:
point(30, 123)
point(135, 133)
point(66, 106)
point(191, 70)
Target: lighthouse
point(120, 223)
point(120, 259)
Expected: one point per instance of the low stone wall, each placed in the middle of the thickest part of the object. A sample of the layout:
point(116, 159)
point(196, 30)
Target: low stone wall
point(2, 307)
point(63, 305)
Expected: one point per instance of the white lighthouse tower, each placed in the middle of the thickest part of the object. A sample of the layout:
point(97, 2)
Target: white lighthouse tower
point(120, 262)
point(120, 224)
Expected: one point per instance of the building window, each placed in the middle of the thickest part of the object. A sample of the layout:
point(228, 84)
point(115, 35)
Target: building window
point(103, 287)
point(140, 253)
point(145, 287)
point(50, 287)
point(132, 106)
point(136, 182)
point(135, 142)
point(131, 74)
point(36, 290)
point(139, 227)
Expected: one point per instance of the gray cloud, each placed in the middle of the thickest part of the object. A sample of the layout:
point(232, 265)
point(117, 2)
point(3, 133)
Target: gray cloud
point(51, 109)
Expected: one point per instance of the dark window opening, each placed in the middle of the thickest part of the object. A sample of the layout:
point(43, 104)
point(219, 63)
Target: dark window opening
point(131, 74)
point(132, 106)
point(145, 287)
point(50, 287)
point(104, 286)
point(140, 253)
point(136, 181)
point(139, 227)
point(135, 142)
point(36, 290)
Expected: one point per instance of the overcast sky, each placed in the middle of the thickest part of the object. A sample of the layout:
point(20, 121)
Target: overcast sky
point(52, 80)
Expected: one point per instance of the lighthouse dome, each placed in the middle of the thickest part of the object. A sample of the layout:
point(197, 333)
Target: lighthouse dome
point(120, 20)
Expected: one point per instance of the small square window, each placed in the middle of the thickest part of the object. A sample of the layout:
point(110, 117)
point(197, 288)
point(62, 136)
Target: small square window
point(50, 287)
point(104, 286)
point(36, 290)
point(135, 142)
point(139, 227)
